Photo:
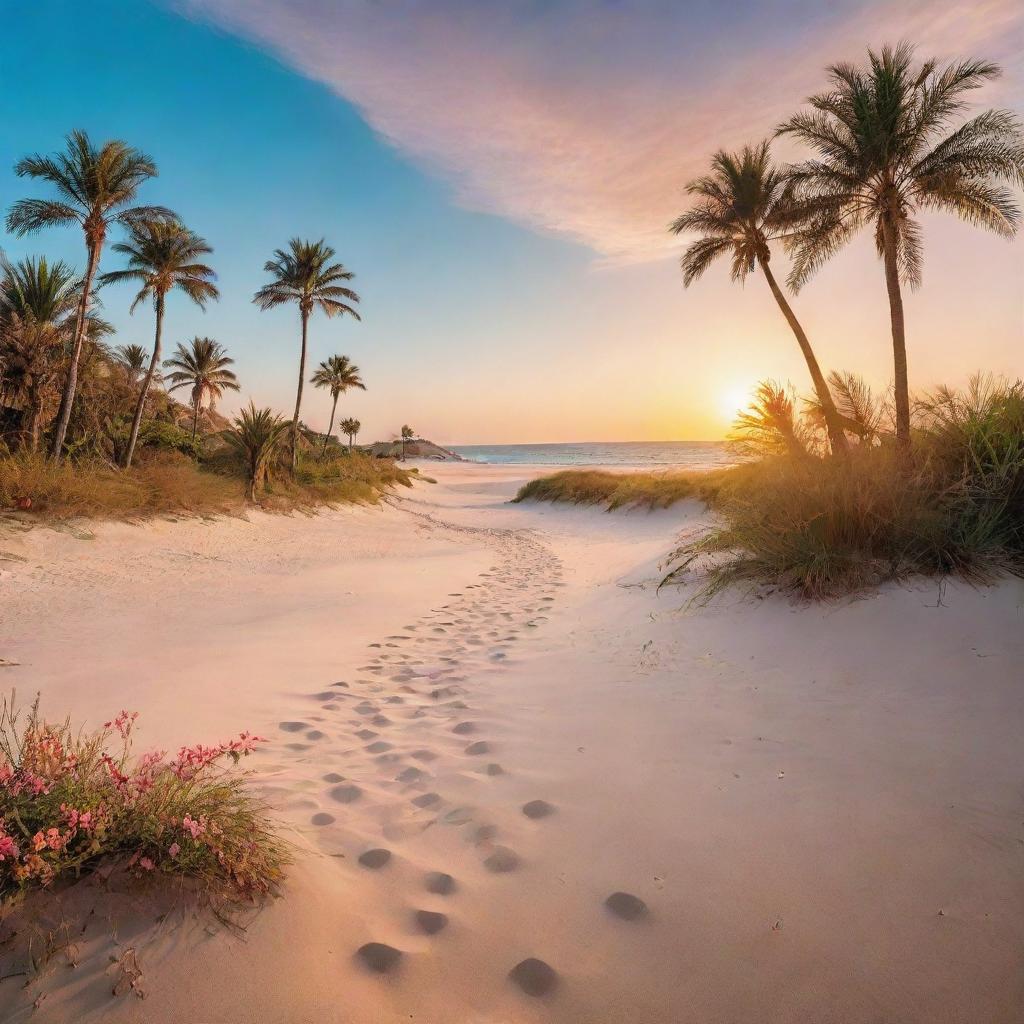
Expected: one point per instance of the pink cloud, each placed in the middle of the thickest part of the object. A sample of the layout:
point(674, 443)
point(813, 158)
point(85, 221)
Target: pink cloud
point(584, 121)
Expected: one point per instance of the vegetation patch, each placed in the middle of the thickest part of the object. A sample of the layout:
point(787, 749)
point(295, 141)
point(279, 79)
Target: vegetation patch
point(70, 802)
point(613, 490)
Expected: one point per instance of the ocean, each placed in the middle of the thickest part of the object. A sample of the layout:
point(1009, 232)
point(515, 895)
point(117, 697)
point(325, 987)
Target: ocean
point(646, 454)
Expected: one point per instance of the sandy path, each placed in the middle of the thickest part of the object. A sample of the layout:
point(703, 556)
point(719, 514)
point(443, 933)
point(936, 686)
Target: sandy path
point(485, 720)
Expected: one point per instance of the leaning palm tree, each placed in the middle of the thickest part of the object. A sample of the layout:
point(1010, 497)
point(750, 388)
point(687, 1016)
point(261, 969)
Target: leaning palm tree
point(351, 427)
point(886, 153)
point(37, 318)
point(256, 435)
point(96, 187)
point(340, 375)
point(743, 206)
point(203, 366)
point(407, 435)
point(305, 275)
point(162, 255)
point(133, 359)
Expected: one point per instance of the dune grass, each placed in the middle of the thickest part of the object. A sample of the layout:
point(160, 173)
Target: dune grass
point(820, 527)
point(169, 483)
point(614, 490)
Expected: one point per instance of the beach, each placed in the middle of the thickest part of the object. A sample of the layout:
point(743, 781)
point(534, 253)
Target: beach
point(819, 806)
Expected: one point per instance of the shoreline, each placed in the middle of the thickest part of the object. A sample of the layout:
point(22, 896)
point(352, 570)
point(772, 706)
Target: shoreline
point(795, 792)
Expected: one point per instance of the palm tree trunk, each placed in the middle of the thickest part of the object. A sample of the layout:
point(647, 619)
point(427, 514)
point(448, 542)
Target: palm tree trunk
point(195, 416)
point(147, 380)
point(35, 417)
point(833, 424)
point(298, 394)
point(67, 397)
point(351, 440)
point(334, 409)
point(899, 339)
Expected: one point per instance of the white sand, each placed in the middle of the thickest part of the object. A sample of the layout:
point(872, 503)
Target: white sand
point(795, 792)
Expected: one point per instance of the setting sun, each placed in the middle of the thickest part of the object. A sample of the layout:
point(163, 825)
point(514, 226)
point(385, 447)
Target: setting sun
point(734, 398)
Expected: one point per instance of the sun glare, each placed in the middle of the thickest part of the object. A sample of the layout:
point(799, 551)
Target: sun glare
point(733, 399)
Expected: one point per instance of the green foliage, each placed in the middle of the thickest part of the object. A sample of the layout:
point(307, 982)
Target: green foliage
point(256, 435)
point(69, 801)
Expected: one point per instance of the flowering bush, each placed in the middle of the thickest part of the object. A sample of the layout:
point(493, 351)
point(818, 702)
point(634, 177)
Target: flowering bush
point(67, 802)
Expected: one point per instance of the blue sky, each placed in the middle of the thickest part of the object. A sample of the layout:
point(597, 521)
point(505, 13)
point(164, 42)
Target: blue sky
point(498, 176)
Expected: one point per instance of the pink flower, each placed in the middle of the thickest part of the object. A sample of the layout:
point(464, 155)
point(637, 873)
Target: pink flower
point(174, 849)
point(192, 826)
point(123, 723)
point(146, 864)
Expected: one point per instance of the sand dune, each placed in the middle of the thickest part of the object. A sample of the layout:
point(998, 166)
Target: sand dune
point(525, 786)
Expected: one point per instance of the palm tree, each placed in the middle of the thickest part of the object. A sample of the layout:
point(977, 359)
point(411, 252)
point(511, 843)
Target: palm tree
point(162, 255)
point(133, 358)
point(885, 154)
point(340, 375)
point(204, 366)
point(305, 275)
point(770, 425)
point(742, 206)
point(407, 435)
point(96, 188)
point(256, 435)
point(351, 427)
point(37, 305)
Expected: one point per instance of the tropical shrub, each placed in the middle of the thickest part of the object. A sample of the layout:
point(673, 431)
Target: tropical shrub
point(256, 436)
point(69, 801)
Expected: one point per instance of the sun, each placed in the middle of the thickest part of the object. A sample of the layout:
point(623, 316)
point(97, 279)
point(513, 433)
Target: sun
point(732, 399)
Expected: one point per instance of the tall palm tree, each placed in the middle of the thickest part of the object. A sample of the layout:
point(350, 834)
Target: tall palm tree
point(407, 435)
point(162, 255)
point(351, 427)
point(37, 306)
point(204, 366)
point(96, 187)
point(340, 375)
point(133, 358)
point(743, 206)
point(305, 275)
point(886, 152)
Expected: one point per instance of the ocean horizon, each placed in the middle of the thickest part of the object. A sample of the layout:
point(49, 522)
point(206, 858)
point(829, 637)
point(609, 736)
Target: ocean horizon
point(667, 454)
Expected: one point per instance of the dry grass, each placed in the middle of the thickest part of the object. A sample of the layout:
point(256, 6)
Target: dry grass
point(616, 490)
point(173, 484)
point(163, 484)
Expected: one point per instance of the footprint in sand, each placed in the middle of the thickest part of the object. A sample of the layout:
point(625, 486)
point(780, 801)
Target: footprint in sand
point(502, 860)
point(379, 957)
point(376, 858)
point(293, 726)
point(334, 777)
point(480, 747)
point(464, 727)
point(323, 819)
point(626, 906)
point(427, 800)
point(430, 922)
point(345, 794)
point(538, 809)
point(534, 977)
point(439, 883)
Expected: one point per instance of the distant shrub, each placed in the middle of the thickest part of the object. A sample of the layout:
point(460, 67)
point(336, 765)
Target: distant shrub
point(69, 801)
point(613, 490)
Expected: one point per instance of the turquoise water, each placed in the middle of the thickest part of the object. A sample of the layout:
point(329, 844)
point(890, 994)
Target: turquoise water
point(682, 454)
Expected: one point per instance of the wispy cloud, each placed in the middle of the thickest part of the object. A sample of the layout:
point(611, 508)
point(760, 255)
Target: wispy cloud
point(584, 118)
